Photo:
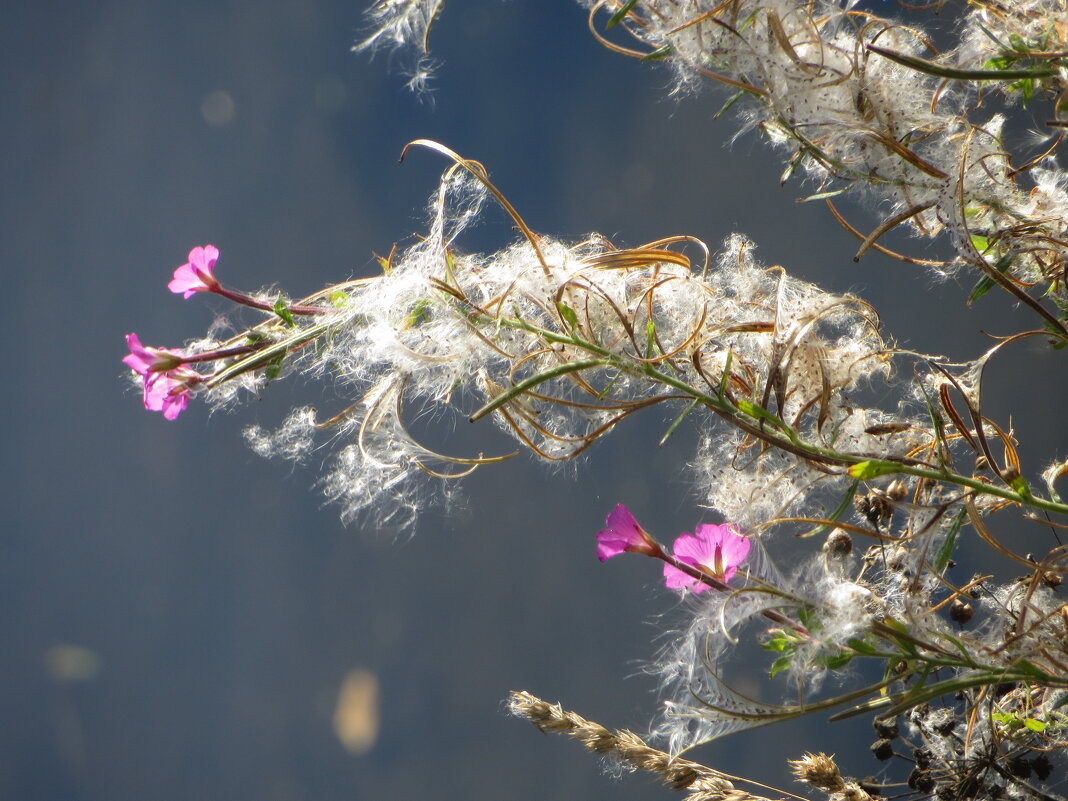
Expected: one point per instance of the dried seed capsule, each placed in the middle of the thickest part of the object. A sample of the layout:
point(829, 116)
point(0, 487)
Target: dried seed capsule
point(838, 544)
point(960, 612)
point(883, 749)
point(897, 490)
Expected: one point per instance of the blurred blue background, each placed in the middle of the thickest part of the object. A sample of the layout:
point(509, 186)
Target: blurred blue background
point(178, 616)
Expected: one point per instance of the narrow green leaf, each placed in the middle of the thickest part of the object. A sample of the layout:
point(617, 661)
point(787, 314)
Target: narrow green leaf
point(659, 53)
point(616, 18)
point(862, 647)
point(946, 551)
point(986, 283)
point(726, 377)
point(677, 422)
point(729, 104)
point(1034, 725)
point(931, 68)
point(761, 413)
point(846, 503)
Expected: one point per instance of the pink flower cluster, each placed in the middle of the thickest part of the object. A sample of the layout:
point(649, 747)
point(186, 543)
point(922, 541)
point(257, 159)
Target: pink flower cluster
point(165, 379)
point(713, 550)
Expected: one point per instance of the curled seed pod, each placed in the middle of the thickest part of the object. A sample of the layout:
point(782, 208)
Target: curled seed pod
point(982, 464)
point(960, 612)
point(838, 544)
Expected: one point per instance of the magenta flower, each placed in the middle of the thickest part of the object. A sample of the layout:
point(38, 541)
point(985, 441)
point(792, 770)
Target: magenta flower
point(198, 274)
point(715, 550)
point(624, 533)
point(165, 381)
point(144, 360)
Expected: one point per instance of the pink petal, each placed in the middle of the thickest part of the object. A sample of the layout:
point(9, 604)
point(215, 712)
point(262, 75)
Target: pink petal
point(198, 274)
point(675, 579)
point(139, 359)
point(623, 534)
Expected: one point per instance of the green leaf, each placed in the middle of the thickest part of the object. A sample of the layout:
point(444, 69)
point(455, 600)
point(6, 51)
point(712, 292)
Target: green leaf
point(419, 313)
point(1034, 725)
point(933, 68)
point(836, 661)
point(727, 106)
point(616, 18)
point(725, 378)
point(846, 503)
point(659, 53)
point(873, 468)
point(777, 644)
point(778, 666)
point(677, 422)
point(650, 340)
point(862, 647)
point(761, 413)
point(946, 551)
point(282, 310)
point(986, 283)
point(568, 314)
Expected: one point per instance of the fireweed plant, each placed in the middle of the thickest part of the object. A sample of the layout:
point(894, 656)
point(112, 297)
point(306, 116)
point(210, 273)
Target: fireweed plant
point(557, 342)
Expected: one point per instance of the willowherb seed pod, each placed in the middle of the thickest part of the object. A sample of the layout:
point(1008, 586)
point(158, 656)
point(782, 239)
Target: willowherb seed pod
point(882, 749)
point(960, 612)
point(838, 544)
point(886, 727)
point(897, 490)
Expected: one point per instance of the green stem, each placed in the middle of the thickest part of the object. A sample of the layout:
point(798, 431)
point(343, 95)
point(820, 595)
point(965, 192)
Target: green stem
point(781, 436)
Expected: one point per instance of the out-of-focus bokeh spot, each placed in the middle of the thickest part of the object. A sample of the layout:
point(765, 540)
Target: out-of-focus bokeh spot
point(356, 714)
point(68, 663)
point(218, 108)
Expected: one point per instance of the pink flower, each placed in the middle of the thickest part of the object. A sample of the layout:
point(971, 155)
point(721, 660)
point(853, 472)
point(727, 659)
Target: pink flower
point(165, 381)
point(624, 533)
point(198, 274)
point(144, 360)
point(715, 550)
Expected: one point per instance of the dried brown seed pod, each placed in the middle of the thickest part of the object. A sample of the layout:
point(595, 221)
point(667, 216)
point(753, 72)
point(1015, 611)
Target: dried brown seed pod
point(838, 544)
point(960, 612)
